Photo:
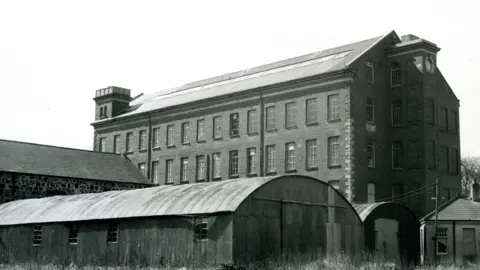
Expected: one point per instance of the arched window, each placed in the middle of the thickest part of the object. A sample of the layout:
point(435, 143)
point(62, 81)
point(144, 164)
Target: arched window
point(370, 71)
point(411, 71)
point(395, 75)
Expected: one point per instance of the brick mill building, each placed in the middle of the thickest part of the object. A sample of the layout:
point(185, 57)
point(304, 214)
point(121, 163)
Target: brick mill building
point(375, 119)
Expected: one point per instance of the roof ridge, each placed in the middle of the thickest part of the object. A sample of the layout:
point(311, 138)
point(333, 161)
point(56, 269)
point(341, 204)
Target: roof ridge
point(60, 147)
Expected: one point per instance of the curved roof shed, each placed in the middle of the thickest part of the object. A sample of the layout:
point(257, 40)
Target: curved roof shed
point(390, 226)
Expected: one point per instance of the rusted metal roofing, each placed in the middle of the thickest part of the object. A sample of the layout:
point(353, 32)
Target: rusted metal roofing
point(330, 60)
point(457, 209)
point(200, 198)
point(29, 158)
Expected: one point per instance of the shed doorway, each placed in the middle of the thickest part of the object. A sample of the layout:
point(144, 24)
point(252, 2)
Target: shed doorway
point(386, 239)
point(469, 245)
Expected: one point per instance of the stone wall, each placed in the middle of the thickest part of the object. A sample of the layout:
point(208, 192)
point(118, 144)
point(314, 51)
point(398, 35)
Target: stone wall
point(14, 186)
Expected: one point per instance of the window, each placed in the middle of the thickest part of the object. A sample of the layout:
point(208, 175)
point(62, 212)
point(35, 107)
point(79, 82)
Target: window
point(271, 159)
point(333, 104)
point(201, 130)
point(251, 160)
point(73, 234)
point(442, 241)
point(271, 118)
point(201, 229)
point(311, 111)
point(397, 191)
point(37, 235)
point(371, 152)
point(455, 122)
point(430, 110)
point(444, 159)
point(217, 127)
point(290, 115)
point(455, 161)
point(371, 192)
point(414, 149)
point(370, 110)
point(102, 144)
point(170, 135)
point(216, 165)
point(396, 112)
point(397, 155)
point(156, 138)
point(233, 164)
point(252, 126)
point(370, 71)
point(112, 233)
point(116, 144)
point(412, 111)
point(395, 75)
point(184, 170)
point(141, 168)
point(185, 129)
point(142, 141)
point(334, 151)
point(311, 153)
point(129, 142)
point(431, 160)
point(155, 169)
point(290, 160)
point(234, 125)
point(200, 166)
point(168, 171)
point(443, 121)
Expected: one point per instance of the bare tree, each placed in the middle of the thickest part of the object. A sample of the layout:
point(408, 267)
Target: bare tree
point(470, 169)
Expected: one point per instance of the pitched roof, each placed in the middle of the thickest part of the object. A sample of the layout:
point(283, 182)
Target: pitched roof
point(198, 198)
point(22, 157)
point(457, 209)
point(317, 63)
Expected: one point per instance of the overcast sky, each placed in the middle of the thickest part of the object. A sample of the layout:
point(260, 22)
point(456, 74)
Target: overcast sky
point(55, 54)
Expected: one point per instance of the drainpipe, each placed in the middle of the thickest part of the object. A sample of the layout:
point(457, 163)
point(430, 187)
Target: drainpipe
point(262, 134)
point(454, 244)
point(149, 147)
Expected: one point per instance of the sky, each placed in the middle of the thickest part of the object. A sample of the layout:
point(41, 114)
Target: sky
point(55, 54)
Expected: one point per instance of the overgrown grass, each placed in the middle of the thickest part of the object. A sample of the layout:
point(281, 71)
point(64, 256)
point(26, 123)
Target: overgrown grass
point(339, 262)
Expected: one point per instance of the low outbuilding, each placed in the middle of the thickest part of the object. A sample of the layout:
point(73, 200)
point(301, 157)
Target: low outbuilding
point(233, 221)
point(391, 231)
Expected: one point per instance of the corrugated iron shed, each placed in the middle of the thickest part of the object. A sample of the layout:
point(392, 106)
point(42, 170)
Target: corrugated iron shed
point(334, 59)
point(30, 158)
point(200, 198)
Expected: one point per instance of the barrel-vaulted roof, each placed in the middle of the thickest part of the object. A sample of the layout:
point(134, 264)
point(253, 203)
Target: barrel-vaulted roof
point(321, 62)
point(47, 160)
point(365, 209)
point(169, 200)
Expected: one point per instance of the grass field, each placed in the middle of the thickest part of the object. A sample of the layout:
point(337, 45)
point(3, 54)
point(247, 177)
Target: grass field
point(339, 263)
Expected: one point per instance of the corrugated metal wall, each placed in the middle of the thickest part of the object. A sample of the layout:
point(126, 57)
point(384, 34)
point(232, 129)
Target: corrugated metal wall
point(152, 241)
point(295, 216)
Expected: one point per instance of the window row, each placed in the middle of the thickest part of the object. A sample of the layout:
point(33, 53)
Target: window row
point(311, 116)
point(200, 166)
point(448, 120)
point(448, 160)
point(200, 232)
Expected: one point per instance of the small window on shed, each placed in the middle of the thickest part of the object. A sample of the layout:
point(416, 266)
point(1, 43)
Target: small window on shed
point(73, 234)
point(37, 235)
point(201, 229)
point(112, 233)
